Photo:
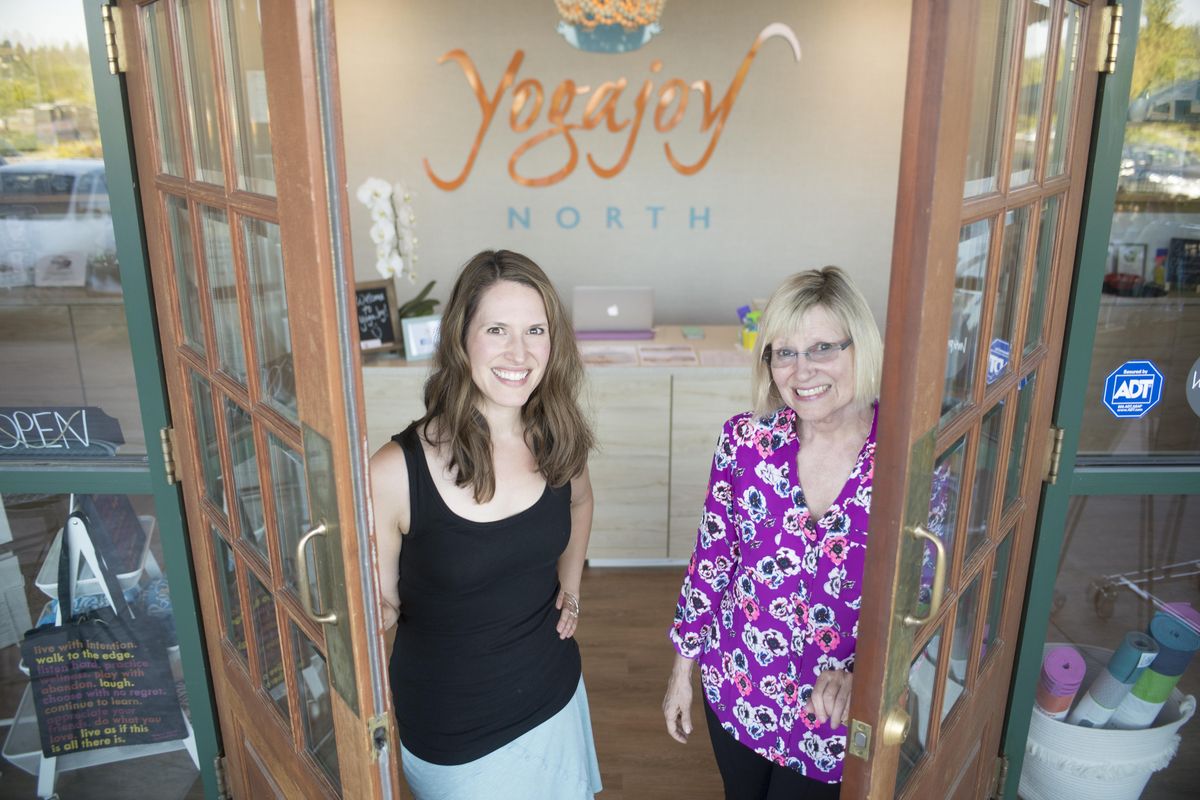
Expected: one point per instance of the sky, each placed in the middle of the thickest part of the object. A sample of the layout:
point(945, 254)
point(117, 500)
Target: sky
point(33, 22)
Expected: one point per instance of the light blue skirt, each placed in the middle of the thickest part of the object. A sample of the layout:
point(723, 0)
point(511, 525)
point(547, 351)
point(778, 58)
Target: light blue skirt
point(557, 759)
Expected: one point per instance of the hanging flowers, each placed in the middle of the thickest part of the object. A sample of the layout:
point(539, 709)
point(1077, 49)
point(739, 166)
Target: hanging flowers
point(392, 224)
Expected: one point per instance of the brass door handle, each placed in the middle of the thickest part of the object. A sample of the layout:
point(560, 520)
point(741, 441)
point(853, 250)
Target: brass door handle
point(895, 727)
point(302, 579)
point(920, 532)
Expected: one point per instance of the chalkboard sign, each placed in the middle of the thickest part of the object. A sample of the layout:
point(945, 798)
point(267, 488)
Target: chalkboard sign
point(376, 306)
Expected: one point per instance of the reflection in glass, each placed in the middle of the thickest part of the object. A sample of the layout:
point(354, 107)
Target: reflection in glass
point(922, 676)
point(64, 340)
point(246, 487)
point(187, 277)
point(222, 288)
point(991, 628)
point(206, 441)
point(1016, 456)
point(1061, 115)
point(291, 509)
point(986, 468)
point(227, 595)
point(1012, 256)
point(316, 710)
point(272, 336)
point(1047, 235)
point(1029, 96)
point(993, 48)
point(943, 515)
point(970, 274)
point(266, 637)
point(200, 92)
point(162, 88)
point(250, 121)
point(1152, 311)
point(960, 647)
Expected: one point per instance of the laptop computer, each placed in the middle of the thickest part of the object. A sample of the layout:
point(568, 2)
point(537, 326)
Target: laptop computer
point(613, 312)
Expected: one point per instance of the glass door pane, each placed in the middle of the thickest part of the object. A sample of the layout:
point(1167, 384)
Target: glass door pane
point(250, 120)
point(1032, 83)
point(200, 93)
point(989, 97)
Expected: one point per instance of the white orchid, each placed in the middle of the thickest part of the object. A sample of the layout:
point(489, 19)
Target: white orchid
point(383, 232)
point(373, 190)
point(392, 222)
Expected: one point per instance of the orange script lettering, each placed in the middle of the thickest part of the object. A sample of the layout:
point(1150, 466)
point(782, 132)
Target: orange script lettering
point(529, 97)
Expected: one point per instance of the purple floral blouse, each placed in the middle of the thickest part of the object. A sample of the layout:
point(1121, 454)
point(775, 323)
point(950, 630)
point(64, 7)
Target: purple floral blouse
point(772, 593)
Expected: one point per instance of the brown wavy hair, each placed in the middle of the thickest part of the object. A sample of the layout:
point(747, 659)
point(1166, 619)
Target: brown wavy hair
point(556, 430)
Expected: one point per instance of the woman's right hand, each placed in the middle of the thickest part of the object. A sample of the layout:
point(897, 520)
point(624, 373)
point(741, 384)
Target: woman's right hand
point(677, 704)
point(391, 614)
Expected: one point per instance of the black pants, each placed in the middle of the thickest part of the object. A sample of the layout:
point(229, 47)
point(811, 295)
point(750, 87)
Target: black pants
point(749, 776)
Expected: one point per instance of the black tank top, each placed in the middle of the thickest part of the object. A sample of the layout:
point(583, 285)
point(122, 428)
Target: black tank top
point(477, 661)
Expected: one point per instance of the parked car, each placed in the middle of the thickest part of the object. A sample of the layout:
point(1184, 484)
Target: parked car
point(56, 225)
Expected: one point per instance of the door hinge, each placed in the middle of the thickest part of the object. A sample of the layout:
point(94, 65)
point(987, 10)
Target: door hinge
point(112, 35)
point(167, 437)
point(859, 740)
point(1054, 445)
point(999, 778)
point(1110, 35)
point(222, 785)
point(379, 732)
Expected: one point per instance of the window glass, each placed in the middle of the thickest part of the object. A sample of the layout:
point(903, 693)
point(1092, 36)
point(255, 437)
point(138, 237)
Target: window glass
point(1143, 396)
point(31, 540)
point(1125, 559)
point(67, 388)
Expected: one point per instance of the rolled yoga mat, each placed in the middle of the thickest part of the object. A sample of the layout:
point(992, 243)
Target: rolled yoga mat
point(1062, 673)
point(1177, 643)
point(1111, 686)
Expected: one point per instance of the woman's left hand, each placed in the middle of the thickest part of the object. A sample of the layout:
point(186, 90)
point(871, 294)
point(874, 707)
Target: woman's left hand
point(569, 619)
point(831, 697)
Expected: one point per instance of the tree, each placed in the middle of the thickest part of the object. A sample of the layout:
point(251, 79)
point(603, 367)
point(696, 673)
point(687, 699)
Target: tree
point(1166, 52)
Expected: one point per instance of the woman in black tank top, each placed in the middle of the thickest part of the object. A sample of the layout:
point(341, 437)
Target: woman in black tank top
point(482, 511)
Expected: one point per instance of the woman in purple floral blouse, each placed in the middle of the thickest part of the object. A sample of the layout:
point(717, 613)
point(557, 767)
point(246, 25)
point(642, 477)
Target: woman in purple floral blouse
point(769, 606)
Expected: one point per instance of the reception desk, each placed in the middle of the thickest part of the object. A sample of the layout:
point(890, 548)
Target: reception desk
point(656, 420)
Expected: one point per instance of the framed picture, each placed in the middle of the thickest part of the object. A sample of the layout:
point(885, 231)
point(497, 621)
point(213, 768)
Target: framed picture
point(375, 302)
point(1131, 259)
point(420, 336)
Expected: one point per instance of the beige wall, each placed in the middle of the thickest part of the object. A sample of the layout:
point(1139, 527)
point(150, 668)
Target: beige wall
point(804, 173)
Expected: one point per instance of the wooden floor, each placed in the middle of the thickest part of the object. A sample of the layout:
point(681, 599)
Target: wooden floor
point(626, 659)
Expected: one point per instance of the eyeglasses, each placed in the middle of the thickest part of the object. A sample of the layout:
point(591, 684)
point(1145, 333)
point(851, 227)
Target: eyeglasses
point(820, 353)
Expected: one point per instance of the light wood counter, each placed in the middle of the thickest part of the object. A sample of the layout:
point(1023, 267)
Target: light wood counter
point(656, 426)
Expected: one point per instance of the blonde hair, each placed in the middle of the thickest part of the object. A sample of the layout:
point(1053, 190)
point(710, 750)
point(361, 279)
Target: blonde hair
point(831, 289)
point(555, 427)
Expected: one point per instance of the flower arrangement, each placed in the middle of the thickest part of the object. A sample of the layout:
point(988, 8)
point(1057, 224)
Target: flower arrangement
point(629, 14)
point(392, 224)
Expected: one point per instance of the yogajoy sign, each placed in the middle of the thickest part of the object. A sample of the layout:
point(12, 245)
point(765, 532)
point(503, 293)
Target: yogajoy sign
point(605, 113)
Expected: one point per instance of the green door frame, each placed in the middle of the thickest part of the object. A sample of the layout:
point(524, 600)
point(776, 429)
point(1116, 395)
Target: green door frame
point(1108, 136)
point(150, 476)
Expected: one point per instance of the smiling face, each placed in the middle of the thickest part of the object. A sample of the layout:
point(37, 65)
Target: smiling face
point(508, 345)
point(817, 392)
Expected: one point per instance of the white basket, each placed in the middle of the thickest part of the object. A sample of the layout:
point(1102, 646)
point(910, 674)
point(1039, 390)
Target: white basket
point(1068, 761)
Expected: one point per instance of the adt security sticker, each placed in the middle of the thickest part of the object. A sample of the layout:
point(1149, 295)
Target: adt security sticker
point(1132, 389)
point(999, 354)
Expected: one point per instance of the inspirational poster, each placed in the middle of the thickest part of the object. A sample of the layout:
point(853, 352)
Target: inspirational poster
point(96, 686)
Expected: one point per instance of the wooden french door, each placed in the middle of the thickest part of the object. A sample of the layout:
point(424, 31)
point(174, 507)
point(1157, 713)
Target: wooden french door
point(996, 137)
point(226, 105)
